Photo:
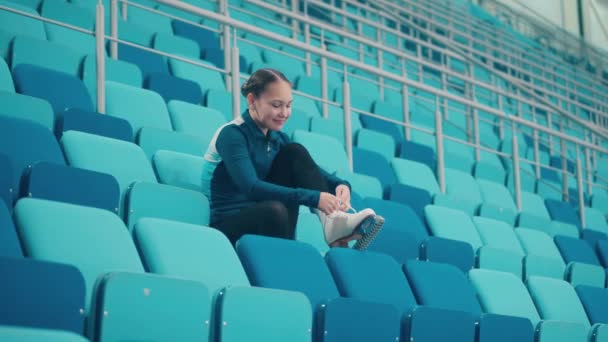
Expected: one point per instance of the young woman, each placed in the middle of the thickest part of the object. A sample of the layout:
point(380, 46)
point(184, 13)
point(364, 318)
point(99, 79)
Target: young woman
point(258, 178)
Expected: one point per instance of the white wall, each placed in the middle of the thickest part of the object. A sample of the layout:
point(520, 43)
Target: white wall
point(593, 29)
point(558, 12)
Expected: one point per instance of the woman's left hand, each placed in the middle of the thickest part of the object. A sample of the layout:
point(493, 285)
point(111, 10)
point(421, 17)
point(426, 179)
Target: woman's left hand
point(343, 193)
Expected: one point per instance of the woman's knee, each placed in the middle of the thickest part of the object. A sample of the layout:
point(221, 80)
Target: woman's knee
point(276, 214)
point(295, 151)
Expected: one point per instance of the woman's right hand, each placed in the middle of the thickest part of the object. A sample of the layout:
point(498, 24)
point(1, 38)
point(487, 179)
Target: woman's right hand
point(328, 203)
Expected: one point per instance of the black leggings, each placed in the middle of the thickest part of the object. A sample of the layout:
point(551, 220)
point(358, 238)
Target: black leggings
point(292, 167)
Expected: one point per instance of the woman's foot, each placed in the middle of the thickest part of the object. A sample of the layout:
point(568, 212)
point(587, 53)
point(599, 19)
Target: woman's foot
point(340, 228)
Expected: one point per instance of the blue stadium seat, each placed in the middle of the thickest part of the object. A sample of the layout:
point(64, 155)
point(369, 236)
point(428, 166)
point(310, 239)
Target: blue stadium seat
point(455, 325)
point(125, 161)
point(22, 25)
point(418, 152)
point(542, 256)
point(562, 212)
point(6, 80)
point(398, 239)
point(416, 175)
point(205, 77)
point(327, 152)
point(265, 307)
point(101, 245)
point(358, 274)
point(556, 300)
point(382, 126)
point(203, 37)
point(595, 301)
point(375, 141)
point(216, 57)
point(583, 265)
point(199, 121)
point(502, 250)
point(176, 45)
point(461, 192)
point(44, 83)
point(26, 107)
point(500, 328)
point(179, 169)
point(6, 181)
point(116, 71)
point(166, 202)
point(497, 202)
point(189, 251)
point(152, 140)
point(147, 62)
point(442, 286)
point(26, 143)
point(180, 308)
point(141, 107)
point(373, 164)
point(14, 333)
point(57, 307)
point(454, 252)
point(601, 248)
point(173, 88)
point(56, 57)
point(452, 224)
point(414, 197)
point(94, 123)
point(9, 242)
point(533, 213)
point(71, 185)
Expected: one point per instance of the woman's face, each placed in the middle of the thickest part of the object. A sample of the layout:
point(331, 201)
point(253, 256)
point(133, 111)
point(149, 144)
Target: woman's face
point(273, 107)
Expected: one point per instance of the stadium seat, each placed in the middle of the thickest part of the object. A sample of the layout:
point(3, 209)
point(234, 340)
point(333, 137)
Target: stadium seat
point(330, 127)
point(414, 197)
point(101, 245)
point(402, 232)
point(497, 202)
point(452, 224)
point(94, 123)
point(61, 183)
point(179, 308)
point(595, 302)
point(448, 251)
point(456, 325)
point(23, 334)
point(327, 152)
point(503, 294)
point(67, 13)
point(166, 202)
point(142, 108)
point(364, 185)
point(9, 241)
point(125, 161)
point(25, 143)
point(499, 328)
point(56, 57)
point(583, 265)
point(147, 62)
point(419, 153)
point(179, 169)
point(173, 88)
point(116, 71)
point(22, 25)
point(373, 164)
point(176, 45)
point(489, 167)
point(357, 274)
point(542, 256)
point(556, 300)
point(533, 213)
point(441, 286)
point(416, 175)
point(61, 90)
point(6, 181)
point(28, 108)
point(206, 78)
point(502, 250)
point(595, 220)
point(199, 121)
point(152, 139)
point(265, 308)
point(375, 141)
point(149, 20)
point(189, 251)
point(58, 307)
point(310, 231)
point(6, 80)
point(461, 192)
point(203, 37)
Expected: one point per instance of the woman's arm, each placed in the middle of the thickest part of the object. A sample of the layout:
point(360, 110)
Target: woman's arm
point(232, 147)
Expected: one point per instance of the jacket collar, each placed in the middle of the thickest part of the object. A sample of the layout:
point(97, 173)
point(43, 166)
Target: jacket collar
point(257, 132)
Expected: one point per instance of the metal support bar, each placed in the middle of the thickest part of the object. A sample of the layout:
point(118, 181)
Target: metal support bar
point(236, 84)
point(101, 55)
point(348, 129)
point(439, 142)
point(516, 170)
point(580, 188)
point(324, 87)
point(114, 28)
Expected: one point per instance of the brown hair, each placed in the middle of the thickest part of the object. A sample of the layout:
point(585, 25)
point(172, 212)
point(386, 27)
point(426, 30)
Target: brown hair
point(256, 84)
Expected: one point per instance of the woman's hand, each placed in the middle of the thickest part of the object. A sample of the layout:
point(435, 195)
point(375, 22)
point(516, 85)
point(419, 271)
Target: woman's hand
point(328, 203)
point(343, 194)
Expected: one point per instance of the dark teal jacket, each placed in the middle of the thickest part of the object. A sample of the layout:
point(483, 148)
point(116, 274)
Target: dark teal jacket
point(246, 158)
